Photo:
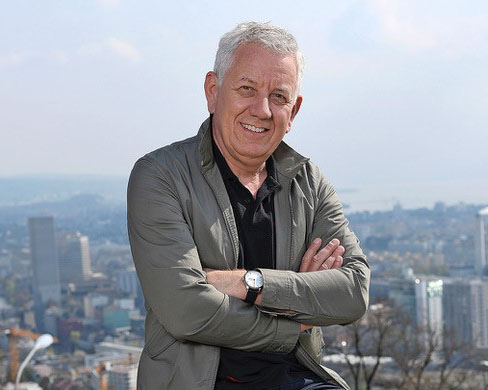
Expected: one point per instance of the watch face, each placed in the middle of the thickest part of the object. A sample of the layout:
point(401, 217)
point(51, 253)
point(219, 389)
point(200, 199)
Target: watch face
point(254, 279)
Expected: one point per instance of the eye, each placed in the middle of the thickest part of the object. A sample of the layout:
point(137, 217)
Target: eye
point(279, 98)
point(246, 90)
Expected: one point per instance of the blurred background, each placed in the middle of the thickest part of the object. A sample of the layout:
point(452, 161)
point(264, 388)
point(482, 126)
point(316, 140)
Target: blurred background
point(394, 113)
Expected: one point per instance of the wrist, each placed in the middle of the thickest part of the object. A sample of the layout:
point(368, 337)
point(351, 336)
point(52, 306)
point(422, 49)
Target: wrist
point(254, 283)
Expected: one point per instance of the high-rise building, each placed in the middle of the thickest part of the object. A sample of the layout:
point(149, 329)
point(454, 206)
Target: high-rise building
point(74, 258)
point(457, 309)
point(421, 301)
point(428, 296)
point(479, 296)
point(480, 261)
point(402, 293)
point(466, 310)
point(44, 260)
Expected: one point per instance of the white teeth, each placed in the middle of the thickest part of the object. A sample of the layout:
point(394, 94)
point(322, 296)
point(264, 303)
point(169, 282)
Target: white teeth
point(254, 129)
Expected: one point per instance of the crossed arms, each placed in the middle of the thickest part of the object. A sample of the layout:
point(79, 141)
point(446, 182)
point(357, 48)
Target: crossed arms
point(170, 266)
point(230, 282)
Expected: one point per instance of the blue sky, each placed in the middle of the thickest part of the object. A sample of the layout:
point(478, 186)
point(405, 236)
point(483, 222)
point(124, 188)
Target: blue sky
point(394, 91)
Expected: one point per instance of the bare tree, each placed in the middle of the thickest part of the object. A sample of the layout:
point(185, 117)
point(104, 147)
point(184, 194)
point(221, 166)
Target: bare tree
point(424, 358)
point(427, 360)
point(369, 340)
point(413, 353)
point(453, 354)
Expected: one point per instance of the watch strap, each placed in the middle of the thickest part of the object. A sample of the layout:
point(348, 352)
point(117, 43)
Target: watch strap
point(252, 295)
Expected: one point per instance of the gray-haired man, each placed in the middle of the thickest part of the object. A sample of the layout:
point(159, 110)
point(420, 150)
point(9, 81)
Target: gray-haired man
point(226, 230)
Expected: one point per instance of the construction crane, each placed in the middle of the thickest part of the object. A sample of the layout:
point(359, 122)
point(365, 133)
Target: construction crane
point(13, 335)
point(101, 373)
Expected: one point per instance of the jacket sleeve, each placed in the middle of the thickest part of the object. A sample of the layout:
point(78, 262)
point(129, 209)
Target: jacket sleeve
point(172, 279)
point(329, 297)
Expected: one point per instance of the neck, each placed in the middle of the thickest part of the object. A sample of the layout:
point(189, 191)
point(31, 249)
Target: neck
point(252, 179)
point(250, 172)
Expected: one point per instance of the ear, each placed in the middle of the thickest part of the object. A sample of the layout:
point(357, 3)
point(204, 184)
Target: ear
point(211, 87)
point(294, 111)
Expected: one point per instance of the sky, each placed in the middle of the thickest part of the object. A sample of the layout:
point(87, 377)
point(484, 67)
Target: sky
point(395, 92)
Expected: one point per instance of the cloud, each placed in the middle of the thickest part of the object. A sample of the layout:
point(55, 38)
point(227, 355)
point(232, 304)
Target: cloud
point(124, 49)
point(398, 27)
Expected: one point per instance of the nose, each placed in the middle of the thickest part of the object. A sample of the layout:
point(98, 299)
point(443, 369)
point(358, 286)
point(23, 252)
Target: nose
point(260, 107)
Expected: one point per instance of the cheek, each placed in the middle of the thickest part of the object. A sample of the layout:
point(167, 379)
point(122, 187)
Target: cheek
point(282, 116)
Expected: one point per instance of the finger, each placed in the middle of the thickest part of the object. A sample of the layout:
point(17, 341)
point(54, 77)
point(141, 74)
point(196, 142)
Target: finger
point(330, 262)
point(309, 254)
point(338, 263)
point(339, 251)
point(335, 263)
point(323, 255)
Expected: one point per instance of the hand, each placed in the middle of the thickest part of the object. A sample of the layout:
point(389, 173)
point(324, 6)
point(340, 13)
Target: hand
point(329, 257)
point(305, 327)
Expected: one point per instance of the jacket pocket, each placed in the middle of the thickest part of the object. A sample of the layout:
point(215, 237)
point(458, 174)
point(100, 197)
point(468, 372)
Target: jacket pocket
point(159, 342)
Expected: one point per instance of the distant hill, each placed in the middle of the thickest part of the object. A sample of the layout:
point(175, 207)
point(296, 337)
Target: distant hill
point(24, 190)
point(100, 218)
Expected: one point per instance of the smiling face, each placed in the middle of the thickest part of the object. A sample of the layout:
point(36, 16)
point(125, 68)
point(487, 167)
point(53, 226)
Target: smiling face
point(254, 106)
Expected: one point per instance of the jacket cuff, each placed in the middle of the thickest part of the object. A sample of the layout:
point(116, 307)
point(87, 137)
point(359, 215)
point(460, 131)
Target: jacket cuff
point(277, 289)
point(286, 336)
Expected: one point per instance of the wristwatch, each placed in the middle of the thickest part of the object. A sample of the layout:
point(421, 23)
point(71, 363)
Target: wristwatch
point(253, 280)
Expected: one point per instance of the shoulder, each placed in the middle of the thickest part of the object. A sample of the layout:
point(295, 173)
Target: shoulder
point(177, 151)
point(300, 169)
point(170, 158)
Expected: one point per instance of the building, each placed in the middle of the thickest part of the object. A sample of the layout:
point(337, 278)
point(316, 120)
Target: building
point(465, 305)
point(480, 239)
point(421, 301)
point(45, 284)
point(74, 258)
point(115, 318)
point(94, 302)
point(127, 281)
point(122, 377)
point(44, 259)
point(479, 296)
point(119, 362)
point(428, 296)
point(402, 293)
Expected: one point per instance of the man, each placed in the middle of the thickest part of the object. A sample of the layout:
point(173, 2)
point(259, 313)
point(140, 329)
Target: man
point(226, 230)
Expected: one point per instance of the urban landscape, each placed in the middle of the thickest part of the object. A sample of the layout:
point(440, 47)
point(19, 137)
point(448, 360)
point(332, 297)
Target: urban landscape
point(66, 270)
point(389, 102)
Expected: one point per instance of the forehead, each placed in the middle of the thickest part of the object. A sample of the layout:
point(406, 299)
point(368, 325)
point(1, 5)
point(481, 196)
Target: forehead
point(253, 61)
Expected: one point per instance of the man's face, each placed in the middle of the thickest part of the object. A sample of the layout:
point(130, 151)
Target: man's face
point(255, 104)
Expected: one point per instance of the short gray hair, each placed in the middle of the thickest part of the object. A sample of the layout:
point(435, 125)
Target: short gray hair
point(270, 36)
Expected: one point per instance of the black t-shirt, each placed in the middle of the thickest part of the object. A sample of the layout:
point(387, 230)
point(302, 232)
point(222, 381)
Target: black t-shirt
point(255, 225)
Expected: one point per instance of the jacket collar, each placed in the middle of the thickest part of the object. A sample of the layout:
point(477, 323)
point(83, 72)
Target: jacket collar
point(287, 161)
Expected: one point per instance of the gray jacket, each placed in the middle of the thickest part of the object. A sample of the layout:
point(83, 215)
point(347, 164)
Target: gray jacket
point(180, 221)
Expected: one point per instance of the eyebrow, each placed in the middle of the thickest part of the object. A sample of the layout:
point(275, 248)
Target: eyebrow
point(248, 79)
point(278, 89)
